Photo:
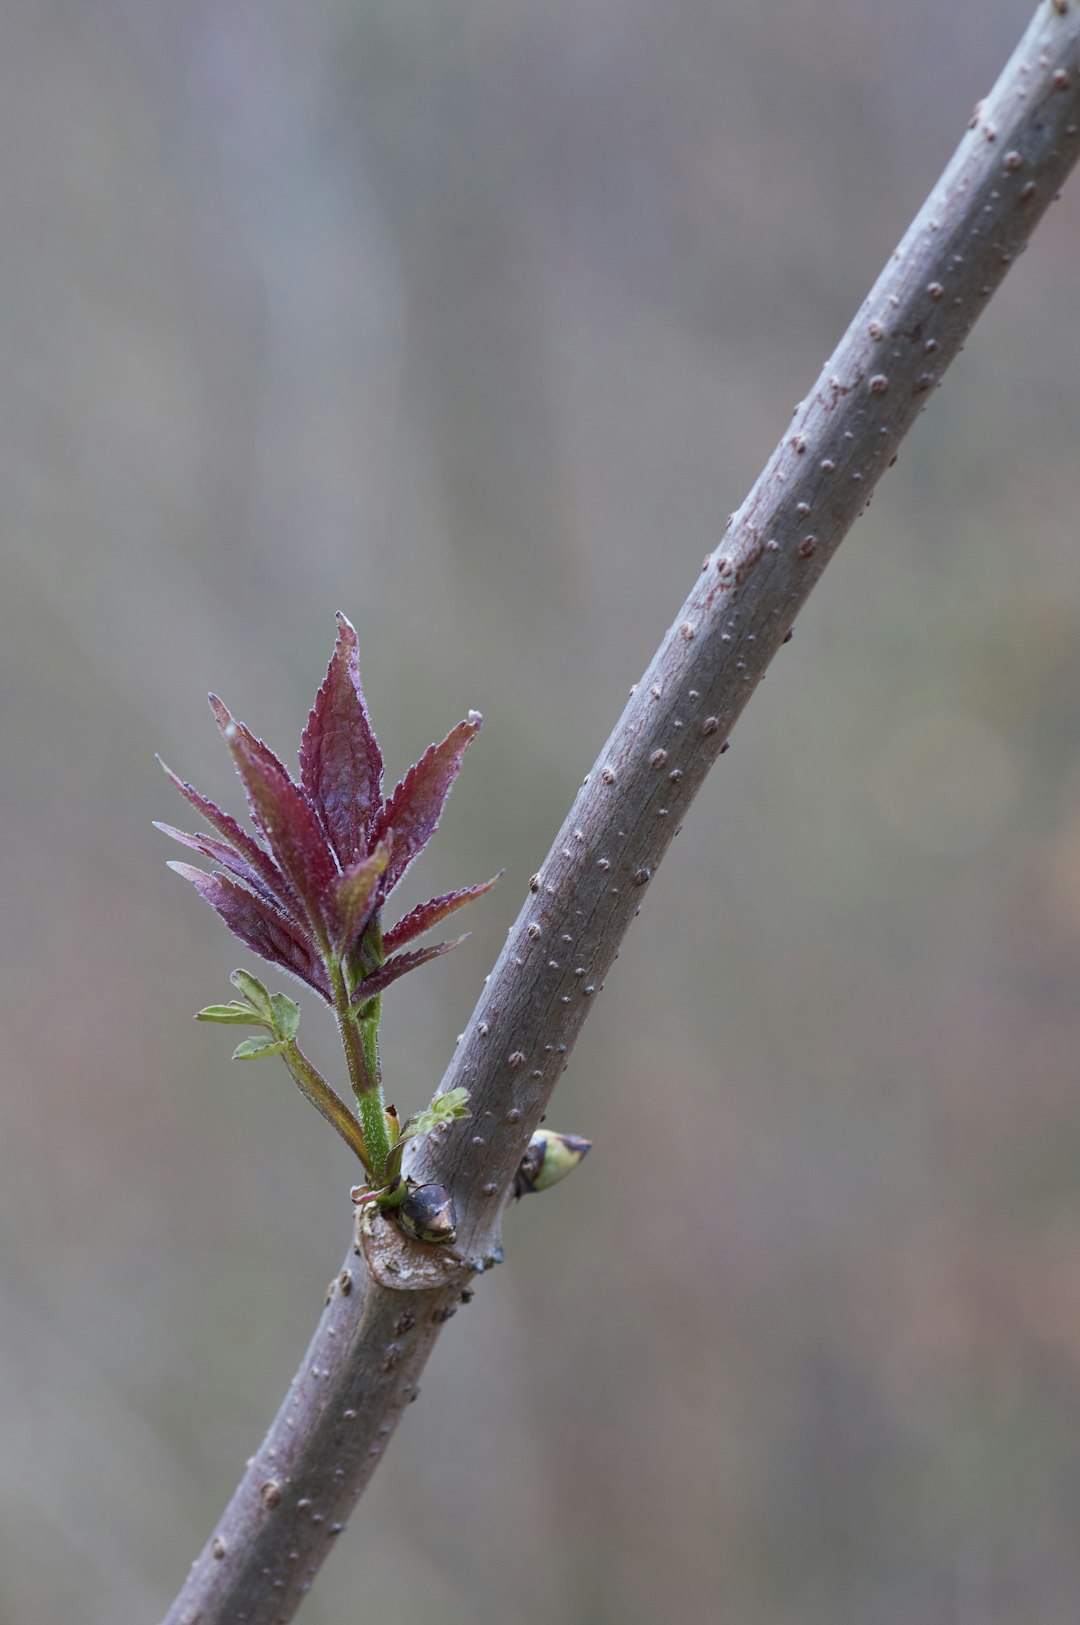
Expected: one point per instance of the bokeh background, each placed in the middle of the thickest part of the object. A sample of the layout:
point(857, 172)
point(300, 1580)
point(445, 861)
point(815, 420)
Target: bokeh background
point(475, 320)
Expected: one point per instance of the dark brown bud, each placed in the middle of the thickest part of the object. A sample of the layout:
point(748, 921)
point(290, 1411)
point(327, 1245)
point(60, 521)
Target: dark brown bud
point(427, 1214)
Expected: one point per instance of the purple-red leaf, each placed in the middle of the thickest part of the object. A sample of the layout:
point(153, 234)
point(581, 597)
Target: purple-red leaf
point(380, 979)
point(356, 894)
point(231, 832)
point(305, 891)
point(223, 855)
point(284, 814)
point(231, 729)
point(259, 926)
point(425, 915)
point(340, 762)
point(414, 808)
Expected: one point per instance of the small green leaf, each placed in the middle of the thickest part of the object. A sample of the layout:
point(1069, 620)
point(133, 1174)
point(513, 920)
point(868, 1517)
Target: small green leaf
point(236, 1013)
point(254, 991)
point(393, 1194)
point(446, 1108)
point(393, 1161)
point(252, 1049)
point(286, 1013)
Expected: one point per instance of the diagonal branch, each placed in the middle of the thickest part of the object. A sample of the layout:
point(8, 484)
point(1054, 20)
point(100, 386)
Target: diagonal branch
point(382, 1320)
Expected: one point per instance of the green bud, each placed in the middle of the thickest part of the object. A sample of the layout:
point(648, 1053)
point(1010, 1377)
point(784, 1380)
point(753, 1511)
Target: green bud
point(548, 1158)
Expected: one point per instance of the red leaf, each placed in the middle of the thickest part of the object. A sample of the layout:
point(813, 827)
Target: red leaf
point(231, 729)
point(240, 840)
point(356, 896)
point(425, 915)
point(222, 854)
point(389, 972)
point(414, 808)
point(292, 830)
point(340, 762)
point(260, 927)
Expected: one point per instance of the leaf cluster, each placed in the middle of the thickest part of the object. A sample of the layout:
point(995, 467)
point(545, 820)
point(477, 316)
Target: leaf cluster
point(306, 889)
point(306, 886)
point(257, 1007)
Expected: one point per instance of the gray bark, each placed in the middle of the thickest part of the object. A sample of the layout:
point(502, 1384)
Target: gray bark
point(386, 1308)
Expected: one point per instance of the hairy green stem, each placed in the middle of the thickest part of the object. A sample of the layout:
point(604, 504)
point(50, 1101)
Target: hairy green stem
point(361, 1055)
point(325, 1100)
point(369, 1031)
point(370, 1105)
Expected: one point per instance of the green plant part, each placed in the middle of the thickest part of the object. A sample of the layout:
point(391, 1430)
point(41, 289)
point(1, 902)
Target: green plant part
point(548, 1158)
point(259, 1008)
point(280, 1015)
point(306, 891)
point(452, 1107)
point(444, 1110)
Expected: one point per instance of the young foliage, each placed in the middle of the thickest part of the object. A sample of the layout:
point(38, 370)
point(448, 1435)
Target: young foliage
point(307, 888)
point(258, 1007)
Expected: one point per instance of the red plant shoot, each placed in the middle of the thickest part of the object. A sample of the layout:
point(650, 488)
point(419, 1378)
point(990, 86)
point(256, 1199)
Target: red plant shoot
point(307, 888)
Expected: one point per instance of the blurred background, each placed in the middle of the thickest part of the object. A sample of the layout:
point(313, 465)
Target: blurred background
point(475, 321)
